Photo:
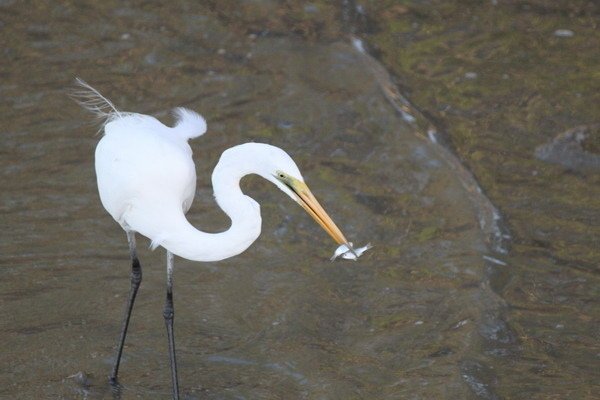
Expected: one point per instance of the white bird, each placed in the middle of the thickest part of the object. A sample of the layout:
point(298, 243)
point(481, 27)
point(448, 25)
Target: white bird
point(147, 181)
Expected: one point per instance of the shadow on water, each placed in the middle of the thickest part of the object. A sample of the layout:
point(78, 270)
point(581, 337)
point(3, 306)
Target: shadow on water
point(442, 307)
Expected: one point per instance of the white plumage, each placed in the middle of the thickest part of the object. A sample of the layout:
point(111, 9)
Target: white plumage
point(147, 182)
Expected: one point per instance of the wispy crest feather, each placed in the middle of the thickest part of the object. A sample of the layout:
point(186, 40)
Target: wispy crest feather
point(91, 99)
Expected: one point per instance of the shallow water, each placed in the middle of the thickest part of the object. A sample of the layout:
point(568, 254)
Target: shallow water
point(513, 87)
point(429, 312)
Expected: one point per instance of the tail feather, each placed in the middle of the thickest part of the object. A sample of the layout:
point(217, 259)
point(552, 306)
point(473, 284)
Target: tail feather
point(189, 124)
point(91, 99)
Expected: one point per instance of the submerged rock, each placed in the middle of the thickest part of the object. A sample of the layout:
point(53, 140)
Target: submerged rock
point(569, 149)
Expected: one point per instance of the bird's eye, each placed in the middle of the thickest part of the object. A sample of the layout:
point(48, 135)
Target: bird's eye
point(281, 175)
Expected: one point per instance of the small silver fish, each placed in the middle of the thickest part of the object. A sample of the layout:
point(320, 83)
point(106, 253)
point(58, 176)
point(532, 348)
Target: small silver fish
point(349, 253)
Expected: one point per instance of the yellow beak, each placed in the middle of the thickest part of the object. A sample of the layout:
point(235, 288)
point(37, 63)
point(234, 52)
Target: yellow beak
point(312, 207)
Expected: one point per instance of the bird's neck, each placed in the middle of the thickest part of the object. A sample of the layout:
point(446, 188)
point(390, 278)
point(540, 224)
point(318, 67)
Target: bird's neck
point(188, 242)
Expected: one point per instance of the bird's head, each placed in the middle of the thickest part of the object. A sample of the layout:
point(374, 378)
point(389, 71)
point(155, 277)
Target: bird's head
point(284, 173)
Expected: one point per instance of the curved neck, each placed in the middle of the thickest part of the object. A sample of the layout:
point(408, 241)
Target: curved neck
point(188, 242)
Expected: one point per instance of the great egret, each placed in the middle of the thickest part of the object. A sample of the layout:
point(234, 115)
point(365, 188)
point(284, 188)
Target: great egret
point(147, 180)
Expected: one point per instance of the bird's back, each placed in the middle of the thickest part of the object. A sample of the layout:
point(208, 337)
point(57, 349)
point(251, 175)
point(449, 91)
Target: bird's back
point(145, 168)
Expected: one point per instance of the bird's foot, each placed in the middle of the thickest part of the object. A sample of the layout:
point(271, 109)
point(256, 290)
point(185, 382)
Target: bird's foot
point(115, 386)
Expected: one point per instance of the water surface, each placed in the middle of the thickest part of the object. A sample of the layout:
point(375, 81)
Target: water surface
point(438, 309)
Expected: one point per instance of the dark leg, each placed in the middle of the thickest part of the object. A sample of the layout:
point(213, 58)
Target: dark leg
point(136, 279)
point(169, 313)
